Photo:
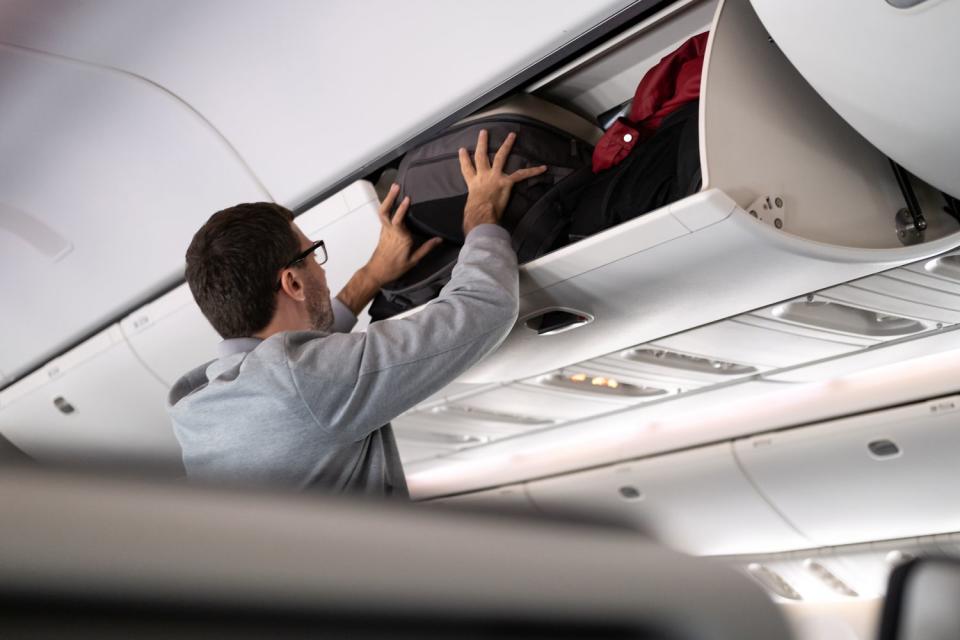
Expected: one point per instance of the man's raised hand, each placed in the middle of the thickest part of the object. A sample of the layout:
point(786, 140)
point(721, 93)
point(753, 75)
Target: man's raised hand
point(488, 188)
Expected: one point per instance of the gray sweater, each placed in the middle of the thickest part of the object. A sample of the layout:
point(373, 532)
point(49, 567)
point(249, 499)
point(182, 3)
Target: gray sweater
point(308, 409)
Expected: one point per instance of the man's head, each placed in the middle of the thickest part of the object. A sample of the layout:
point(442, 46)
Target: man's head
point(235, 263)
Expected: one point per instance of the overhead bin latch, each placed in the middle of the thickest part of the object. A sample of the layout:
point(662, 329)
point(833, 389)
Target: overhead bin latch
point(770, 209)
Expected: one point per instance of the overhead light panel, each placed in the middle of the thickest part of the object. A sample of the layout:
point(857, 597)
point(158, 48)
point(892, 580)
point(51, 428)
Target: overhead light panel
point(684, 362)
point(601, 385)
point(833, 316)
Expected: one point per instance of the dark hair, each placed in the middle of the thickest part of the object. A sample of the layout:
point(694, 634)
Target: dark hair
point(233, 263)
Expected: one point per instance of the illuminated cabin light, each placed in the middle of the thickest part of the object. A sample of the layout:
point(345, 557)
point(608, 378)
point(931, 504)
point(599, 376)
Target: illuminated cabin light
point(677, 360)
point(599, 385)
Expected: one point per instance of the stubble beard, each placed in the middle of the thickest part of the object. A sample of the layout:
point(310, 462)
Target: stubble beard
point(319, 306)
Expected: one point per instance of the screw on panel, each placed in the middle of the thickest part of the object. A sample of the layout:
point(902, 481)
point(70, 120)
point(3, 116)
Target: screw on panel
point(779, 203)
point(778, 223)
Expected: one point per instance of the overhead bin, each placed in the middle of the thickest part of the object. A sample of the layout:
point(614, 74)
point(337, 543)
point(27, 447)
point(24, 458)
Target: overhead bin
point(794, 201)
point(886, 474)
point(888, 68)
point(511, 498)
point(697, 501)
point(170, 336)
point(97, 402)
point(103, 173)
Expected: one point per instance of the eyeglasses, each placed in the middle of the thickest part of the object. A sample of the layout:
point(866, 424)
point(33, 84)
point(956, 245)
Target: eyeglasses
point(319, 251)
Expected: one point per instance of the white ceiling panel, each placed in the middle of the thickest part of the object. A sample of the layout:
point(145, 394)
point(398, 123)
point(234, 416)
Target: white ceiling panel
point(308, 91)
point(104, 178)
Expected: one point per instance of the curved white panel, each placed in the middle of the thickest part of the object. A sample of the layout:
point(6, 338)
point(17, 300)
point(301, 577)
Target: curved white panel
point(170, 336)
point(511, 498)
point(120, 170)
point(696, 501)
point(96, 402)
point(765, 131)
point(310, 91)
point(838, 489)
point(891, 73)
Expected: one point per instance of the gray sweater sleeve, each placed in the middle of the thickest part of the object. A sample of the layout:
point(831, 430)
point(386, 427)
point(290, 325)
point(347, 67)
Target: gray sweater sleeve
point(343, 318)
point(354, 383)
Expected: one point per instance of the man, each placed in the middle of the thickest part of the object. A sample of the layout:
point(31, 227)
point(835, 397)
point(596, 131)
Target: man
point(294, 399)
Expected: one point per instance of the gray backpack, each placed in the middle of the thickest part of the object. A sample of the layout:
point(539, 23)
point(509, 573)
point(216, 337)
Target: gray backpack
point(430, 175)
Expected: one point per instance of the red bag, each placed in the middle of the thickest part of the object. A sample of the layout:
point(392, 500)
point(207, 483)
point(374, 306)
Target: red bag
point(673, 82)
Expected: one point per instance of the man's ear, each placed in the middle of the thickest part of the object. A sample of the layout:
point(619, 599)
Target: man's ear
point(292, 285)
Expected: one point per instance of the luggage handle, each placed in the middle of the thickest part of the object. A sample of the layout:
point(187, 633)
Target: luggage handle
point(554, 320)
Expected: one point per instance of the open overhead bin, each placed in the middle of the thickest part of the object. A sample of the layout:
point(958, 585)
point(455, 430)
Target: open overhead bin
point(793, 201)
point(887, 67)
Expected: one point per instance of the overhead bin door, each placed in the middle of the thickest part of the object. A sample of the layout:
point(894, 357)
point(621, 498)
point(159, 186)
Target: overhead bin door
point(170, 336)
point(697, 501)
point(509, 499)
point(766, 137)
point(95, 403)
point(888, 474)
point(889, 68)
point(104, 178)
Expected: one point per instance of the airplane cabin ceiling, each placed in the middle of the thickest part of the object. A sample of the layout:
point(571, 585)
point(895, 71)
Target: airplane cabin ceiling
point(123, 126)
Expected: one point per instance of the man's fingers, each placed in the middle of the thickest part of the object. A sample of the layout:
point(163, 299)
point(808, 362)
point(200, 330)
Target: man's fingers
point(401, 211)
point(387, 203)
point(466, 166)
point(522, 174)
point(480, 157)
point(424, 249)
point(503, 152)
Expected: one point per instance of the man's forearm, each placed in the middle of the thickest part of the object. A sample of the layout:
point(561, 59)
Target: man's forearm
point(359, 291)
